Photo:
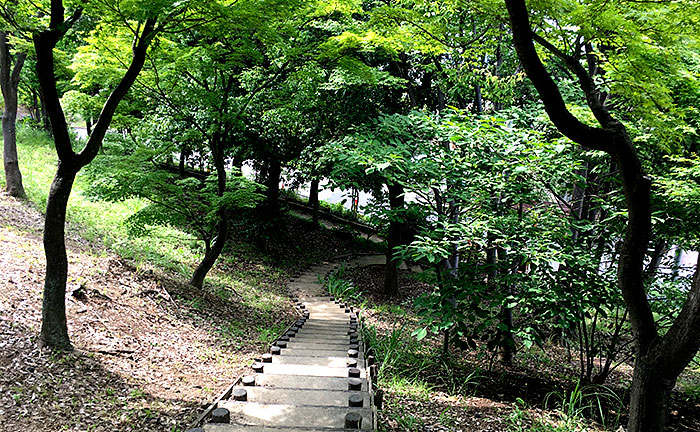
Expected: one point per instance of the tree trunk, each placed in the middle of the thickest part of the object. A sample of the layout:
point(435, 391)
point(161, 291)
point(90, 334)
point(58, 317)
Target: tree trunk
point(182, 164)
point(54, 333)
point(34, 110)
point(212, 255)
point(54, 329)
point(272, 184)
point(650, 396)
point(478, 100)
point(391, 272)
point(45, 120)
point(506, 344)
point(9, 81)
point(658, 253)
point(313, 200)
point(659, 359)
point(13, 175)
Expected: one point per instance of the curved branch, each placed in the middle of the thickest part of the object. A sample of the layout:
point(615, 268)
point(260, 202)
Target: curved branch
point(138, 59)
point(567, 123)
point(584, 78)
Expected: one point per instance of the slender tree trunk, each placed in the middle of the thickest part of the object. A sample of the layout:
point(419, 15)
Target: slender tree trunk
point(272, 184)
point(182, 163)
point(212, 254)
point(507, 343)
point(13, 175)
point(54, 329)
point(54, 333)
point(507, 347)
point(88, 126)
point(497, 106)
point(478, 100)
point(657, 254)
point(313, 200)
point(391, 272)
point(34, 110)
point(677, 257)
point(9, 82)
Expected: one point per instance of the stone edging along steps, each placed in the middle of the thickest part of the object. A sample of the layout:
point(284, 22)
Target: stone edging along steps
point(315, 377)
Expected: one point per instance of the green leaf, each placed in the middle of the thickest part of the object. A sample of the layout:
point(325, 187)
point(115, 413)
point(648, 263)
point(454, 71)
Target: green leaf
point(420, 333)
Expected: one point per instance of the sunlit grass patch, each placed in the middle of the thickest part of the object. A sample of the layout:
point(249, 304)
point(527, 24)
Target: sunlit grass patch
point(413, 387)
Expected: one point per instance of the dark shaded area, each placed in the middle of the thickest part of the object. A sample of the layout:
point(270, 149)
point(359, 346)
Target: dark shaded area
point(293, 243)
point(538, 384)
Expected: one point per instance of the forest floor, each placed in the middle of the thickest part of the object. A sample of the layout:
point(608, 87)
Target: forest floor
point(471, 391)
point(150, 351)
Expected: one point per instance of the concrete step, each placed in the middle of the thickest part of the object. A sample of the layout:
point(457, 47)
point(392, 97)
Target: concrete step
point(340, 312)
point(309, 397)
point(328, 316)
point(328, 313)
point(317, 344)
point(310, 370)
point(251, 413)
point(327, 325)
point(322, 334)
point(334, 330)
point(212, 427)
point(339, 330)
point(311, 279)
point(328, 361)
point(340, 325)
point(305, 382)
point(322, 268)
point(304, 285)
point(325, 306)
point(319, 324)
point(341, 317)
point(340, 352)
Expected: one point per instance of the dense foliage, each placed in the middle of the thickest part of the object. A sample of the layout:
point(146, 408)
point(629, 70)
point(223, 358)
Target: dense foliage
point(473, 153)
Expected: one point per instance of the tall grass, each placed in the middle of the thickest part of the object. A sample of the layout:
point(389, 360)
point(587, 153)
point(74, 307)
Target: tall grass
point(585, 402)
point(341, 288)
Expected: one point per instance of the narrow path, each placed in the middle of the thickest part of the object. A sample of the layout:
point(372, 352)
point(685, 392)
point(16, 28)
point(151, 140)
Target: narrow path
point(314, 378)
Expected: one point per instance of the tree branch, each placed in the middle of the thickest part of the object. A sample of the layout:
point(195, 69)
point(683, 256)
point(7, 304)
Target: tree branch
point(138, 59)
point(19, 63)
point(589, 88)
point(567, 123)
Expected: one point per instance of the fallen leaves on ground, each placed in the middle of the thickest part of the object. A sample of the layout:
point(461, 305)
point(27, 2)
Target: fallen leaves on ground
point(145, 357)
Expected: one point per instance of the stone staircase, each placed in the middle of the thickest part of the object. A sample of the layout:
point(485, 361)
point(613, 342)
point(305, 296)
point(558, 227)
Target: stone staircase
point(315, 377)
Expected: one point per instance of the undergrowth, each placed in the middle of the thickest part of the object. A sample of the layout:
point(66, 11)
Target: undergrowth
point(412, 370)
point(244, 274)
